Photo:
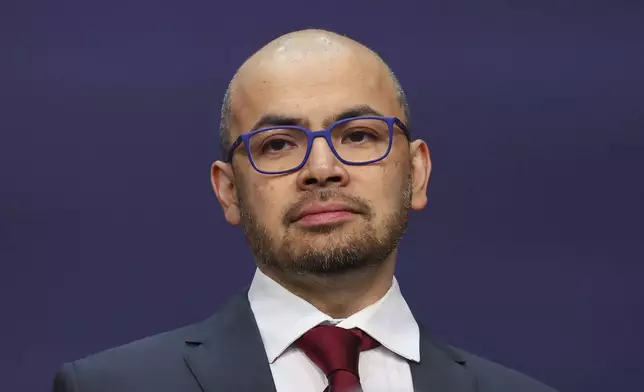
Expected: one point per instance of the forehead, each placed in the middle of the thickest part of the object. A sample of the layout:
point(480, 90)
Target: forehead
point(312, 86)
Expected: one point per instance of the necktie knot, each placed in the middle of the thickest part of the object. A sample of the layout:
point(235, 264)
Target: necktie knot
point(336, 352)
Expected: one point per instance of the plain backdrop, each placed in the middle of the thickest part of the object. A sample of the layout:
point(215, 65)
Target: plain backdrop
point(530, 251)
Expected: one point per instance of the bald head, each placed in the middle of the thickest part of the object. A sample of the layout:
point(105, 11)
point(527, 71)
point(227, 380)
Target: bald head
point(358, 155)
point(307, 57)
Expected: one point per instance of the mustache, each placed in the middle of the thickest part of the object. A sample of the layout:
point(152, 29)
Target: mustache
point(355, 203)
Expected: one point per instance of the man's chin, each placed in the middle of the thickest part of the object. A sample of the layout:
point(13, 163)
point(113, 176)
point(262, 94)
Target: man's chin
point(323, 265)
point(323, 229)
point(325, 244)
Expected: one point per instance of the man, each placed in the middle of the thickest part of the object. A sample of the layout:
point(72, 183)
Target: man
point(323, 212)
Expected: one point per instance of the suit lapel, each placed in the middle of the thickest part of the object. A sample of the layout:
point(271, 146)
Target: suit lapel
point(226, 353)
point(440, 369)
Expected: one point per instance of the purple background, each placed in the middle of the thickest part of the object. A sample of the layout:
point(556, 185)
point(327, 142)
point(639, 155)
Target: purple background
point(530, 252)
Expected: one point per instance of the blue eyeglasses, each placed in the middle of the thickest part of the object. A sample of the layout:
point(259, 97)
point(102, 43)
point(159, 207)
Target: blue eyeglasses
point(354, 141)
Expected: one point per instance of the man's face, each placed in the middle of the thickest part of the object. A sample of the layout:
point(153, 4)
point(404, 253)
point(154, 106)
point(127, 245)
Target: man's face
point(376, 197)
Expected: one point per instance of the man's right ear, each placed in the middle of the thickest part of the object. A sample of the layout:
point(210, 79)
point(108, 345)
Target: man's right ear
point(223, 183)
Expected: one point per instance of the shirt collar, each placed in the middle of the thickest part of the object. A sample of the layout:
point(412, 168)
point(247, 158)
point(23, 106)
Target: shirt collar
point(282, 317)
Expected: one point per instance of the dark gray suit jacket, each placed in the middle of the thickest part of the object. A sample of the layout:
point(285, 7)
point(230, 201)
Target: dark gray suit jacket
point(225, 353)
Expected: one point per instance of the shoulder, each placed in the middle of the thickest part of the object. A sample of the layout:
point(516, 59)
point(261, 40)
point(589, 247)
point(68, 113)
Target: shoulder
point(493, 377)
point(135, 364)
point(157, 362)
point(141, 351)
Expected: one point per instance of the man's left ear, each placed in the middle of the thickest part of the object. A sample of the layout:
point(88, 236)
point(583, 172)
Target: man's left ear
point(421, 167)
point(223, 183)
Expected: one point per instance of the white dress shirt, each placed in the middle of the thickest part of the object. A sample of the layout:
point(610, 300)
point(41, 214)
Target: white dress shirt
point(282, 317)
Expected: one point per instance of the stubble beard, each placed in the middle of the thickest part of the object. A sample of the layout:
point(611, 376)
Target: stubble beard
point(330, 249)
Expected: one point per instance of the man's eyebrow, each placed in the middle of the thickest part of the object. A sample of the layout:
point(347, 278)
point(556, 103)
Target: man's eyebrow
point(269, 120)
point(272, 120)
point(355, 111)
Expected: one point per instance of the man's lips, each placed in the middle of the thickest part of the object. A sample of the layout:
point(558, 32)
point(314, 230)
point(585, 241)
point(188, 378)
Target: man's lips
point(323, 212)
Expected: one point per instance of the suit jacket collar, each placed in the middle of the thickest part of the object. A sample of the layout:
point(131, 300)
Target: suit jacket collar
point(440, 368)
point(226, 353)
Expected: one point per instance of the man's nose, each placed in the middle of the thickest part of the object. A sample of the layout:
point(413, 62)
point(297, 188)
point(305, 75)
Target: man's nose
point(322, 167)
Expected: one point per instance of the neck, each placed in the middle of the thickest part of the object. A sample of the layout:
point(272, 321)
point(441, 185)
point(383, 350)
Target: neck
point(340, 295)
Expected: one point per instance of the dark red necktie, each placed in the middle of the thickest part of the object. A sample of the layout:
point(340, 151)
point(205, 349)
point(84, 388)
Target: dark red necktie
point(336, 352)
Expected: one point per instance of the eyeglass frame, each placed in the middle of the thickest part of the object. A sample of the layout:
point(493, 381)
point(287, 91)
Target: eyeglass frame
point(311, 136)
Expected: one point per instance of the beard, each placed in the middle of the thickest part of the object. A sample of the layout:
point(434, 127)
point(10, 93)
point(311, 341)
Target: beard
point(327, 249)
